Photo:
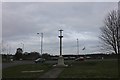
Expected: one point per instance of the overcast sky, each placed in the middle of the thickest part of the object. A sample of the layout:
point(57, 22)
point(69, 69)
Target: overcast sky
point(21, 21)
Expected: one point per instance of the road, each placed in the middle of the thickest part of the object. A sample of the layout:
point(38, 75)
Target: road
point(14, 63)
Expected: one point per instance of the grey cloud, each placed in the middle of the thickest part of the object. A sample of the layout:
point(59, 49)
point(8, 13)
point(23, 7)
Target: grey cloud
point(21, 22)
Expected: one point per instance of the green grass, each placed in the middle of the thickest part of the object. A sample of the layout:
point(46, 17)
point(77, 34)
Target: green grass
point(91, 69)
point(16, 71)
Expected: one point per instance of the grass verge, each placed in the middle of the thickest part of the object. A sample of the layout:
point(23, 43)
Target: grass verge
point(16, 71)
point(91, 69)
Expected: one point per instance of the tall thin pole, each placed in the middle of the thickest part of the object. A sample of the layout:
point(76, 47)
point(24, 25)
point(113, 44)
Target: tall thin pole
point(7, 52)
point(77, 47)
point(9, 49)
point(41, 43)
point(2, 50)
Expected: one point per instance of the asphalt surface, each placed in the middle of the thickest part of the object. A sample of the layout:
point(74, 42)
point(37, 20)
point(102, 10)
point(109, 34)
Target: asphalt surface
point(14, 63)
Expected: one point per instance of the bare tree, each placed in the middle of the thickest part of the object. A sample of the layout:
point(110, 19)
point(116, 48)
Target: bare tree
point(110, 32)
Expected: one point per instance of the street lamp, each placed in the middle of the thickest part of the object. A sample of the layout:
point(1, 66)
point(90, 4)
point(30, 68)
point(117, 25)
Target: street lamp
point(77, 47)
point(41, 41)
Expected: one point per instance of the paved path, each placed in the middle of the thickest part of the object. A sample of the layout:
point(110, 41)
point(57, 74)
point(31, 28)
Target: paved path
point(53, 73)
